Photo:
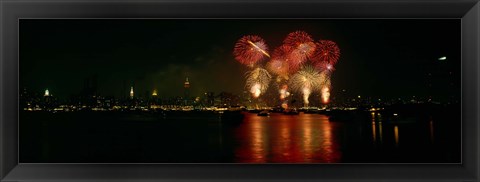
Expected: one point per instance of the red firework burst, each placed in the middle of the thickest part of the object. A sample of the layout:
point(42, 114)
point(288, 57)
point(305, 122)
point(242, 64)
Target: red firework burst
point(296, 38)
point(282, 52)
point(301, 54)
point(303, 48)
point(279, 62)
point(327, 52)
point(324, 66)
point(278, 66)
point(250, 49)
point(295, 61)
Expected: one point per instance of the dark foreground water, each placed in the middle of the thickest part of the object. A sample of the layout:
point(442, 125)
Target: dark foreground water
point(105, 137)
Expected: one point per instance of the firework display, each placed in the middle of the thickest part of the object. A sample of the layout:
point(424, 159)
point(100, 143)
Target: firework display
point(300, 65)
point(302, 48)
point(325, 94)
point(284, 92)
point(328, 52)
point(305, 82)
point(278, 67)
point(279, 62)
point(257, 81)
point(296, 38)
point(324, 66)
point(250, 49)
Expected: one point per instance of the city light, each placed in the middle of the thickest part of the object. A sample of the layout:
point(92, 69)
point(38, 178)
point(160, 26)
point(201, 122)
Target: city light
point(442, 58)
point(131, 92)
point(187, 83)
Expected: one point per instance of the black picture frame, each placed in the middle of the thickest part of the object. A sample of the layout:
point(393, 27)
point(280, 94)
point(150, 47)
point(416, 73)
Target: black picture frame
point(12, 11)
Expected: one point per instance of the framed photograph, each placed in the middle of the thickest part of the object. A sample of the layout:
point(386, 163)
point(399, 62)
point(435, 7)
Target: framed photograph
point(239, 91)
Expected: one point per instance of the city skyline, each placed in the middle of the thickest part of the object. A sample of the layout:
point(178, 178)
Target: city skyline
point(384, 58)
point(240, 91)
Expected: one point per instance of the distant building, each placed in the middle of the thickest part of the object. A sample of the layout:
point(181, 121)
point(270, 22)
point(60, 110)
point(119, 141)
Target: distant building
point(48, 102)
point(132, 94)
point(154, 93)
point(47, 93)
point(186, 86)
point(210, 98)
point(154, 101)
point(186, 95)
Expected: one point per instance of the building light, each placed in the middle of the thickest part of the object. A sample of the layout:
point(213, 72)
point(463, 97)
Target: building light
point(47, 93)
point(187, 83)
point(131, 92)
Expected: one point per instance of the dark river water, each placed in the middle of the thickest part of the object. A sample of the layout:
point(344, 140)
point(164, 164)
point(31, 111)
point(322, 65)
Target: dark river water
point(103, 137)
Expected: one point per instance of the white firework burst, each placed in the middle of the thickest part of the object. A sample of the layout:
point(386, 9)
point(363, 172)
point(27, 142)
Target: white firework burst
point(258, 81)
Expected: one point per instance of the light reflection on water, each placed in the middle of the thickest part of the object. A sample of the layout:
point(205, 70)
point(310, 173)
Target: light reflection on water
point(380, 130)
point(396, 135)
point(258, 143)
point(307, 140)
point(312, 138)
point(304, 138)
point(374, 129)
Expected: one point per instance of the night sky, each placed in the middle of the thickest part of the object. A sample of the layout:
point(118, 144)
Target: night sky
point(385, 58)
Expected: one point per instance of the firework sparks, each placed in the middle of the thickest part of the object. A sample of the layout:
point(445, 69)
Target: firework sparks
point(325, 78)
point(327, 52)
point(301, 53)
point(290, 58)
point(258, 81)
point(279, 62)
point(296, 38)
point(250, 49)
point(284, 92)
point(260, 47)
point(325, 87)
point(324, 67)
point(305, 81)
point(278, 67)
point(303, 48)
point(325, 94)
point(256, 90)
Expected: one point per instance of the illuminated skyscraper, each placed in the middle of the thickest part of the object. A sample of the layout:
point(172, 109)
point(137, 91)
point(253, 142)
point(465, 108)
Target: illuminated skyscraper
point(48, 101)
point(186, 85)
point(131, 92)
point(186, 97)
point(154, 93)
point(47, 93)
